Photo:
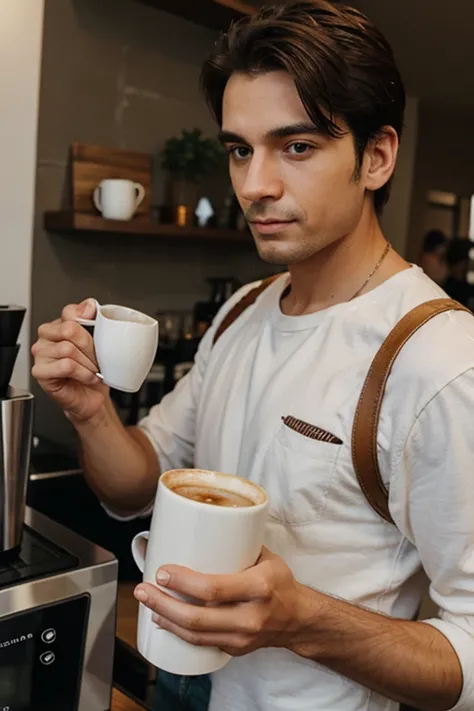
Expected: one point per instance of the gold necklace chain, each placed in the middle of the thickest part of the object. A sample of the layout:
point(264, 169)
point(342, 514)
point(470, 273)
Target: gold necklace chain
point(374, 270)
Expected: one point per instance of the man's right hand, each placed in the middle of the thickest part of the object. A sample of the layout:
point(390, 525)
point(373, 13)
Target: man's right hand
point(65, 364)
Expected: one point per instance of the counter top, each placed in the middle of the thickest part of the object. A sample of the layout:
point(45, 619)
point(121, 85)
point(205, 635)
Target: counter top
point(120, 702)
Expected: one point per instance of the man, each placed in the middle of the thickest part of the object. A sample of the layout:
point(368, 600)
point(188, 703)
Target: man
point(457, 259)
point(310, 106)
point(433, 256)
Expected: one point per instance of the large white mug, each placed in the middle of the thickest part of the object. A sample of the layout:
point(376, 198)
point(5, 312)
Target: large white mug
point(118, 199)
point(201, 536)
point(125, 342)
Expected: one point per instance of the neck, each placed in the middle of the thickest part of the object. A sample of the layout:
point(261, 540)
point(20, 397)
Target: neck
point(338, 271)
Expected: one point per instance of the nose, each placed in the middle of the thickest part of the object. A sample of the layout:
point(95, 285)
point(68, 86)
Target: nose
point(262, 180)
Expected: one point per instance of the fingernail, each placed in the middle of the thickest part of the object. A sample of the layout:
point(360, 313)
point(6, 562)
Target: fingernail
point(88, 308)
point(156, 619)
point(163, 577)
point(141, 595)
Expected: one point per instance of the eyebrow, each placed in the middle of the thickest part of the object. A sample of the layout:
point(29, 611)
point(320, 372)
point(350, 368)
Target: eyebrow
point(280, 132)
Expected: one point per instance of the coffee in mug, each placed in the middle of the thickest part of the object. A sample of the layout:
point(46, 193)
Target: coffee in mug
point(207, 521)
point(214, 497)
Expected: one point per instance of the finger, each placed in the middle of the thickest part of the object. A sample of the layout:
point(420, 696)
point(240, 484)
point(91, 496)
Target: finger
point(66, 368)
point(225, 618)
point(189, 616)
point(46, 350)
point(50, 331)
point(38, 346)
point(252, 584)
point(68, 331)
point(233, 644)
point(86, 309)
point(266, 555)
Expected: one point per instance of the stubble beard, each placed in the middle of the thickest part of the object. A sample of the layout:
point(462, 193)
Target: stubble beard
point(277, 253)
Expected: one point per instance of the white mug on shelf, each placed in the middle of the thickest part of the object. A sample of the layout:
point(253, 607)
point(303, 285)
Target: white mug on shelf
point(204, 537)
point(125, 342)
point(118, 199)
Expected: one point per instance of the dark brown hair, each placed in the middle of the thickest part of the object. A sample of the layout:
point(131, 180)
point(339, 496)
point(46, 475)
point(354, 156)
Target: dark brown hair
point(342, 66)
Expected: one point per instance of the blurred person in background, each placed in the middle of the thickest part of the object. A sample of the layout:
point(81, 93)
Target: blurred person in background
point(433, 256)
point(457, 259)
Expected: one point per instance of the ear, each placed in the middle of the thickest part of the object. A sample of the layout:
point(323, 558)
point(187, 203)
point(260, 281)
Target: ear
point(381, 158)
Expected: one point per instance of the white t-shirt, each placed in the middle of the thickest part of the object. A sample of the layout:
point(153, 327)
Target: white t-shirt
point(226, 414)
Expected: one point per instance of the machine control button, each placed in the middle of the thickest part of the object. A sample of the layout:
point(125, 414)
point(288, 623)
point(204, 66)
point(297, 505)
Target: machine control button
point(49, 635)
point(47, 658)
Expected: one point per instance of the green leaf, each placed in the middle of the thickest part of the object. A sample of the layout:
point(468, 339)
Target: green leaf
point(191, 155)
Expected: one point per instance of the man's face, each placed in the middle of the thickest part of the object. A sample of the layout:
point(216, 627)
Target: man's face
point(299, 190)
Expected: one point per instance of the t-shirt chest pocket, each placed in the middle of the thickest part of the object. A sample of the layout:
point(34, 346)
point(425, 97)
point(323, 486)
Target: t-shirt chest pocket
point(298, 472)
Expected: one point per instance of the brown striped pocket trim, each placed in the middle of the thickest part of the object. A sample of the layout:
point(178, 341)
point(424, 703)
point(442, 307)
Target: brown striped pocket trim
point(311, 431)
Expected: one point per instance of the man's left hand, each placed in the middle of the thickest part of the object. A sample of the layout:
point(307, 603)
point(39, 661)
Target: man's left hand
point(237, 613)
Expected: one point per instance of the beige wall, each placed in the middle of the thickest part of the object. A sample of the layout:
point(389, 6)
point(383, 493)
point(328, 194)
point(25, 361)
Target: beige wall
point(444, 161)
point(396, 217)
point(21, 27)
point(119, 73)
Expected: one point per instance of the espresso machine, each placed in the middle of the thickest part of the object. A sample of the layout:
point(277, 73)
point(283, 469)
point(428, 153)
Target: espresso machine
point(16, 429)
point(57, 590)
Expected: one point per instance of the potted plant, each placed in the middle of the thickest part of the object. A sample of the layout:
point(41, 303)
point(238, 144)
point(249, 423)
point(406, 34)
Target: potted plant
point(188, 158)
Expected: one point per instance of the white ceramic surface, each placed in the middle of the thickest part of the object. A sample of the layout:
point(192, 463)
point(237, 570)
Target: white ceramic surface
point(118, 199)
point(209, 539)
point(125, 343)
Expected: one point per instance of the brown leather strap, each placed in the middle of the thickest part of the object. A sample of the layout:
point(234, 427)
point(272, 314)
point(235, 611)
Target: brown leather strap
point(243, 304)
point(364, 433)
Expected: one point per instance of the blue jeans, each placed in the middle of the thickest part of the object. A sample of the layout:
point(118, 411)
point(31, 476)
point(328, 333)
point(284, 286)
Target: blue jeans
point(182, 693)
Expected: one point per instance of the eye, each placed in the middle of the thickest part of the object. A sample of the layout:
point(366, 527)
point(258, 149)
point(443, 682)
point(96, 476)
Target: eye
point(239, 152)
point(299, 148)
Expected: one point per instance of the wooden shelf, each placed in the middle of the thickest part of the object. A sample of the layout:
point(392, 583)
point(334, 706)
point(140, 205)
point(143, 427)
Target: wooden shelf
point(216, 14)
point(82, 223)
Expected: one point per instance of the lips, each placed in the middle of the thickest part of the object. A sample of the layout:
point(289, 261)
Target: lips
point(271, 226)
point(269, 221)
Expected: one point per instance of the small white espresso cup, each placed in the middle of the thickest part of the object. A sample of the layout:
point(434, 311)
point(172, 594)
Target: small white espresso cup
point(125, 344)
point(204, 537)
point(118, 199)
